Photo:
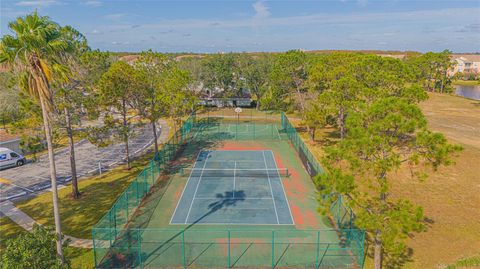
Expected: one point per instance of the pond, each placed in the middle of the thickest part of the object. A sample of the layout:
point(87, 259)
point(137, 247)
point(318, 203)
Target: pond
point(468, 91)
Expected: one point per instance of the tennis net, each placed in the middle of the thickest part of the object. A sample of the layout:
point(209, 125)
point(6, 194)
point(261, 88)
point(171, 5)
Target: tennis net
point(237, 173)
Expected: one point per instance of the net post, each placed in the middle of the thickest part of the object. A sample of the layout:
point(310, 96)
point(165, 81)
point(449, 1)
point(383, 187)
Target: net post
point(253, 122)
point(288, 172)
point(317, 265)
point(183, 250)
point(139, 248)
point(273, 249)
point(229, 264)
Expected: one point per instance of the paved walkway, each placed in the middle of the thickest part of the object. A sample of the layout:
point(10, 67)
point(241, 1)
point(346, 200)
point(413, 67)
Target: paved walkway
point(8, 209)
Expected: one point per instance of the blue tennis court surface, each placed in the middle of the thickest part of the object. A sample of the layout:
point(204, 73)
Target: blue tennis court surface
point(234, 187)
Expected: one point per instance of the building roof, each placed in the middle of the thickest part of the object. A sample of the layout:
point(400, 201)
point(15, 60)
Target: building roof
point(467, 57)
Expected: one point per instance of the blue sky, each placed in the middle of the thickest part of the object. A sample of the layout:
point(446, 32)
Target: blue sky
point(226, 25)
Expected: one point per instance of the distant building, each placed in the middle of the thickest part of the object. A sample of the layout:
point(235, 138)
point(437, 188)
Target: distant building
point(466, 64)
point(217, 98)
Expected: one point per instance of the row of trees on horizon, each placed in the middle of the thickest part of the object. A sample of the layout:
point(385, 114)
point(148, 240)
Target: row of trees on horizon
point(56, 81)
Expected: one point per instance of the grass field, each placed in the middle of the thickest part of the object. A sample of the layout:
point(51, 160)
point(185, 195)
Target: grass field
point(466, 82)
point(450, 197)
point(78, 216)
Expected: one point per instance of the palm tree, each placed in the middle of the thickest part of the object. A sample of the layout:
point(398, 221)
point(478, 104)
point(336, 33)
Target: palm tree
point(35, 52)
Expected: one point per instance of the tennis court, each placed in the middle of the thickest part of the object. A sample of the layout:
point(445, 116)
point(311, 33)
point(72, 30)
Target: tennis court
point(228, 192)
point(234, 187)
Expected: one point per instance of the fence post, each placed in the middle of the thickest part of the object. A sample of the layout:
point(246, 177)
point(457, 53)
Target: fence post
point(318, 250)
point(136, 185)
point(145, 182)
point(183, 250)
point(273, 249)
point(153, 172)
point(271, 130)
point(110, 227)
point(115, 219)
point(253, 130)
point(94, 250)
point(229, 249)
point(139, 249)
point(126, 202)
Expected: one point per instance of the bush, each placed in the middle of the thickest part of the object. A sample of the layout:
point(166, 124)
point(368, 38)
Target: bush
point(36, 250)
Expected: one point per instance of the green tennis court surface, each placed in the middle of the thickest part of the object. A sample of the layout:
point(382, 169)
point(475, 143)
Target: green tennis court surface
point(234, 187)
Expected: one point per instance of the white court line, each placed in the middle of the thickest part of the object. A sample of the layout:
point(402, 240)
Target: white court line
point(278, 132)
point(188, 180)
point(234, 172)
point(283, 188)
point(196, 189)
point(210, 198)
point(239, 169)
point(233, 224)
point(269, 183)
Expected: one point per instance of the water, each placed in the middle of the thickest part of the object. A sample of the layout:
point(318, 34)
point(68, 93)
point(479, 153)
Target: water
point(472, 92)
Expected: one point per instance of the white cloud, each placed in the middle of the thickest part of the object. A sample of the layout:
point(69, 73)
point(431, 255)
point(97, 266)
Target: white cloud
point(115, 16)
point(37, 3)
point(96, 32)
point(93, 3)
point(261, 10)
point(11, 13)
point(362, 2)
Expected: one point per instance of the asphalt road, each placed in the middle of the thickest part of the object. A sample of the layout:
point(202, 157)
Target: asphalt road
point(35, 177)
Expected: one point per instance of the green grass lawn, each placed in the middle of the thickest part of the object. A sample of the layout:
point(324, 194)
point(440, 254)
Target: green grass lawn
point(80, 258)
point(8, 229)
point(78, 216)
point(466, 82)
point(470, 262)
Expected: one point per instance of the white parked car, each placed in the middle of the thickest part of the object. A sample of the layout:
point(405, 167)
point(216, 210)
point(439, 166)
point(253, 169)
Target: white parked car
point(10, 158)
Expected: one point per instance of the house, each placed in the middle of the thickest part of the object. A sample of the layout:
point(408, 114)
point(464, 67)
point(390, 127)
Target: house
point(466, 64)
point(218, 98)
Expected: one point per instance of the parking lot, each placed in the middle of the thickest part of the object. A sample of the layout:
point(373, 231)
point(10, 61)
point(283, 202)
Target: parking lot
point(35, 177)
